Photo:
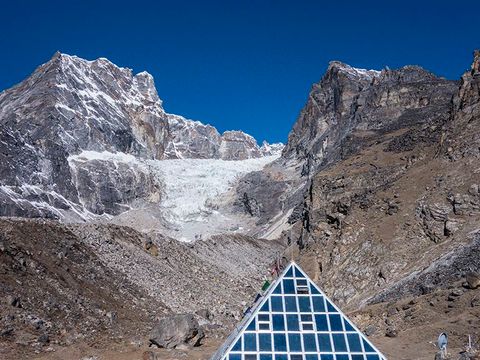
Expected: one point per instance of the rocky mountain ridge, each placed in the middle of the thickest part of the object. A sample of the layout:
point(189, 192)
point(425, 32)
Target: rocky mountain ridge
point(391, 208)
point(70, 105)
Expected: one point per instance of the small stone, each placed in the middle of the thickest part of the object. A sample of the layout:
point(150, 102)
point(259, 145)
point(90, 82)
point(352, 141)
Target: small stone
point(14, 301)
point(451, 227)
point(391, 332)
point(44, 339)
point(474, 189)
point(475, 302)
point(392, 311)
point(456, 292)
point(112, 317)
point(204, 313)
point(370, 330)
point(473, 280)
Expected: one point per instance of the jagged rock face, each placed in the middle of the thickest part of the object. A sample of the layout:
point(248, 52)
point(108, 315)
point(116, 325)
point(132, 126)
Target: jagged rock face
point(386, 204)
point(69, 106)
point(345, 113)
point(347, 100)
point(192, 139)
point(465, 135)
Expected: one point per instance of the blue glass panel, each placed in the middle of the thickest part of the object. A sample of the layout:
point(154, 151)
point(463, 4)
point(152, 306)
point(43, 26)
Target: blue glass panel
point(304, 303)
point(235, 357)
point(367, 346)
point(341, 357)
point(238, 345)
point(313, 289)
point(306, 317)
point(288, 287)
point(348, 326)
point(265, 356)
point(296, 357)
point(251, 326)
point(357, 357)
point(265, 342)
point(321, 321)
point(294, 342)
point(250, 357)
point(302, 282)
point(281, 357)
point(289, 272)
point(278, 322)
point(264, 307)
point(263, 317)
point(280, 342)
point(292, 322)
point(335, 322)
point(290, 304)
point(250, 342)
point(324, 343)
point(339, 342)
point(326, 357)
point(373, 357)
point(309, 343)
point(298, 273)
point(278, 289)
point(311, 357)
point(276, 303)
point(318, 304)
point(330, 307)
point(354, 343)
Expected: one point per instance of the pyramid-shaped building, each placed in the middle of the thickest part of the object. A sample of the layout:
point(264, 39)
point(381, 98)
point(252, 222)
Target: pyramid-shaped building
point(296, 321)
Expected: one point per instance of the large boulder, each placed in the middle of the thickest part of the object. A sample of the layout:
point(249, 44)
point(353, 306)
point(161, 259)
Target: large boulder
point(173, 331)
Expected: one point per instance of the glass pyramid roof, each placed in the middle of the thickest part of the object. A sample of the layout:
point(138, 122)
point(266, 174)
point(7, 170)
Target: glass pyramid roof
point(296, 321)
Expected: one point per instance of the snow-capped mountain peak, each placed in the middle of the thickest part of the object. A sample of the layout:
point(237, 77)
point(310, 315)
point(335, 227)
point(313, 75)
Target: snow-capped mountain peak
point(70, 106)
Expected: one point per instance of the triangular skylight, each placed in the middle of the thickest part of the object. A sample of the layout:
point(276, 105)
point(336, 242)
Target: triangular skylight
point(296, 321)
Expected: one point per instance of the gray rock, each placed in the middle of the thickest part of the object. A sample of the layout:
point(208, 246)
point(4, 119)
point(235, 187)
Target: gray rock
point(176, 330)
point(44, 339)
point(473, 280)
point(391, 332)
point(370, 330)
point(475, 302)
point(14, 301)
point(205, 313)
point(451, 227)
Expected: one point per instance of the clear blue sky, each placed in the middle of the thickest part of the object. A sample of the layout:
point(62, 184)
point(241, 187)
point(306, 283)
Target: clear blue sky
point(244, 65)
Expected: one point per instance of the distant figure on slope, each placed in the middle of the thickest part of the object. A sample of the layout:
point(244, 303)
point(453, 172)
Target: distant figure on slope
point(442, 344)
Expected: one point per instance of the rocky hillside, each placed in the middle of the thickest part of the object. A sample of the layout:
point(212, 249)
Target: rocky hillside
point(106, 284)
point(390, 205)
point(70, 105)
